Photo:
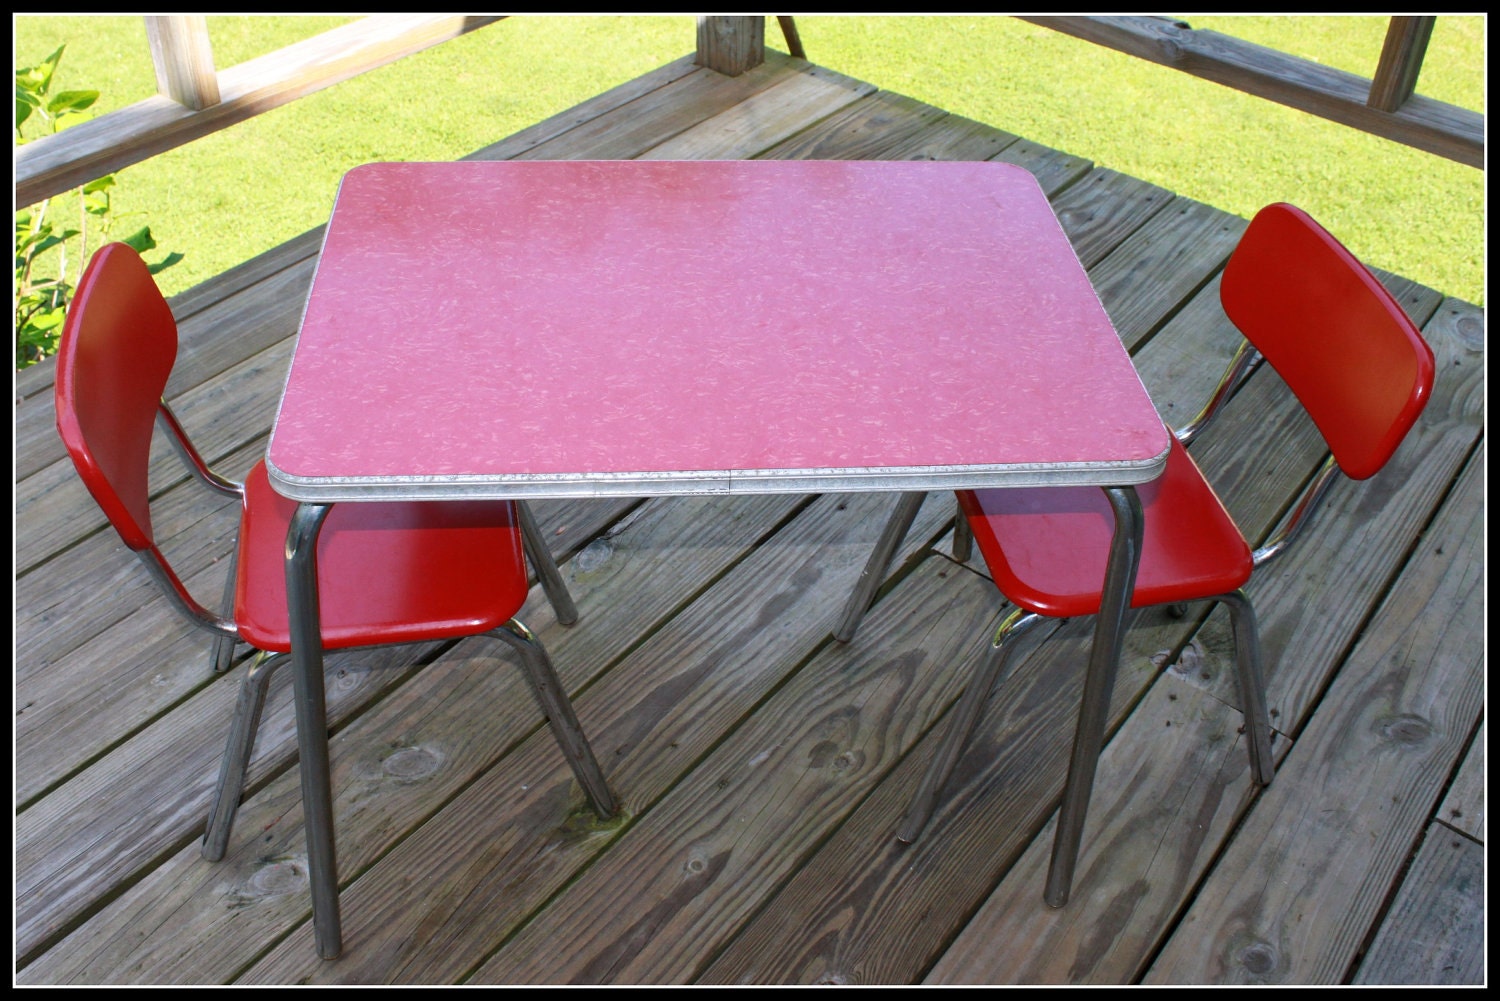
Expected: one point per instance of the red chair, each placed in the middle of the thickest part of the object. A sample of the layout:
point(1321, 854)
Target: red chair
point(387, 573)
point(1361, 371)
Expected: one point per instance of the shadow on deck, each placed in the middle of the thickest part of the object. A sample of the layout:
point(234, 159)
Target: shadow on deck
point(763, 767)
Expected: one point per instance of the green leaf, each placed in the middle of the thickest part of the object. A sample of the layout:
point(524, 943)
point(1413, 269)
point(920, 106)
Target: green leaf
point(26, 93)
point(96, 203)
point(164, 263)
point(99, 184)
point(50, 319)
point(72, 101)
point(68, 119)
point(140, 240)
point(50, 240)
point(25, 239)
point(39, 77)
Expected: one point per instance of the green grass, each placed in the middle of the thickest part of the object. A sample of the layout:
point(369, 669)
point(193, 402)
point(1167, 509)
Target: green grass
point(229, 196)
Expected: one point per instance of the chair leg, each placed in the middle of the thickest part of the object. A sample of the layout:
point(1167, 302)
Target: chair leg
point(554, 702)
point(226, 801)
point(963, 536)
point(545, 566)
point(880, 560)
point(223, 653)
point(991, 670)
point(1252, 686)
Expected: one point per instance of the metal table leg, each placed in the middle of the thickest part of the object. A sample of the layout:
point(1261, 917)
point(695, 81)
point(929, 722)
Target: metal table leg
point(312, 723)
point(1104, 659)
point(880, 560)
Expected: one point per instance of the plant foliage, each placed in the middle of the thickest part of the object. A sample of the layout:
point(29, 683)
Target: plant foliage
point(47, 252)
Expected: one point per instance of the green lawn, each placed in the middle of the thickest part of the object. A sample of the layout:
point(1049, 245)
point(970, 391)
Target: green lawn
point(229, 196)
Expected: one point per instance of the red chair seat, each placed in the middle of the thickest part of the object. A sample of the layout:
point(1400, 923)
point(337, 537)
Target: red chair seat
point(387, 573)
point(1047, 547)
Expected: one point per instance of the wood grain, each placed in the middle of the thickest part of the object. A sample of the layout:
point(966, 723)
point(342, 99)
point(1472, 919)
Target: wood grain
point(1295, 896)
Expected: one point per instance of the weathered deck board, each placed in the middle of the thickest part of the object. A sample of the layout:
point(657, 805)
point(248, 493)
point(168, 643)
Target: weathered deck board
point(1001, 793)
point(1293, 899)
point(1463, 807)
point(1435, 921)
point(763, 766)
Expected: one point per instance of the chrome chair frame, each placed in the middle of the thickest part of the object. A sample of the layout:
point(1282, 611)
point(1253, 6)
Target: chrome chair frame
point(537, 668)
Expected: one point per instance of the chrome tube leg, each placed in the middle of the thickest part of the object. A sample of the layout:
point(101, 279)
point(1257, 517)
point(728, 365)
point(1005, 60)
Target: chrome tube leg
point(223, 654)
point(545, 566)
point(963, 536)
point(1093, 713)
point(554, 703)
point(1252, 686)
point(880, 560)
point(991, 671)
point(312, 724)
point(226, 801)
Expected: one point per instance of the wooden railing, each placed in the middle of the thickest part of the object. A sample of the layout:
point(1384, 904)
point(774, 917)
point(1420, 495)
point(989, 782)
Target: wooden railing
point(195, 99)
point(1385, 105)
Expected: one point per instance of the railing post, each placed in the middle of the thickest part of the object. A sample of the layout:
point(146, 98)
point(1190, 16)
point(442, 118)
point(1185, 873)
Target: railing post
point(183, 59)
point(731, 45)
point(1400, 61)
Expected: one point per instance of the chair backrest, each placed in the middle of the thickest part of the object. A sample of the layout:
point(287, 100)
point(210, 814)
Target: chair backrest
point(1341, 342)
point(118, 345)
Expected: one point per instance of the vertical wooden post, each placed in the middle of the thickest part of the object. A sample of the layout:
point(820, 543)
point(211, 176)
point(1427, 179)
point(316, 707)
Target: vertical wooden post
point(789, 32)
point(183, 59)
point(1400, 61)
point(731, 45)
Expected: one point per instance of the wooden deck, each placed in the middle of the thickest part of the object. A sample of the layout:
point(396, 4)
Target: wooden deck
point(764, 767)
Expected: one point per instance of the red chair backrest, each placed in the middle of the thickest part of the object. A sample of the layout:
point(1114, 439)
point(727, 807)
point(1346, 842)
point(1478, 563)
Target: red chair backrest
point(1341, 342)
point(117, 349)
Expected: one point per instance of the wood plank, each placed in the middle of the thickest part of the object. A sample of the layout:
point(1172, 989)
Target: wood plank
point(1400, 61)
point(72, 598)
point(1172, 783)
point(789, 33)
point(1172, 256)
point(866, 911)
point(149, 797)
point(731, 45)
point(764, 119)
point(1463, 807)
point(466, 711)
point(1101, 210)
point(597, 106)
point(184, 60)
point(209, 343)
point(53, 164)
point(1437, 127)
point(1054, 169)
point(677, 885)
point(824, 927)
point(1434, 934)
point(1295, 895)
point(658, 713)
point(1361, 538)
point(863, 946)
point(220, 416)
point(863, 130)
point(660, 114)
point(87, 680)
point(1191, 384)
